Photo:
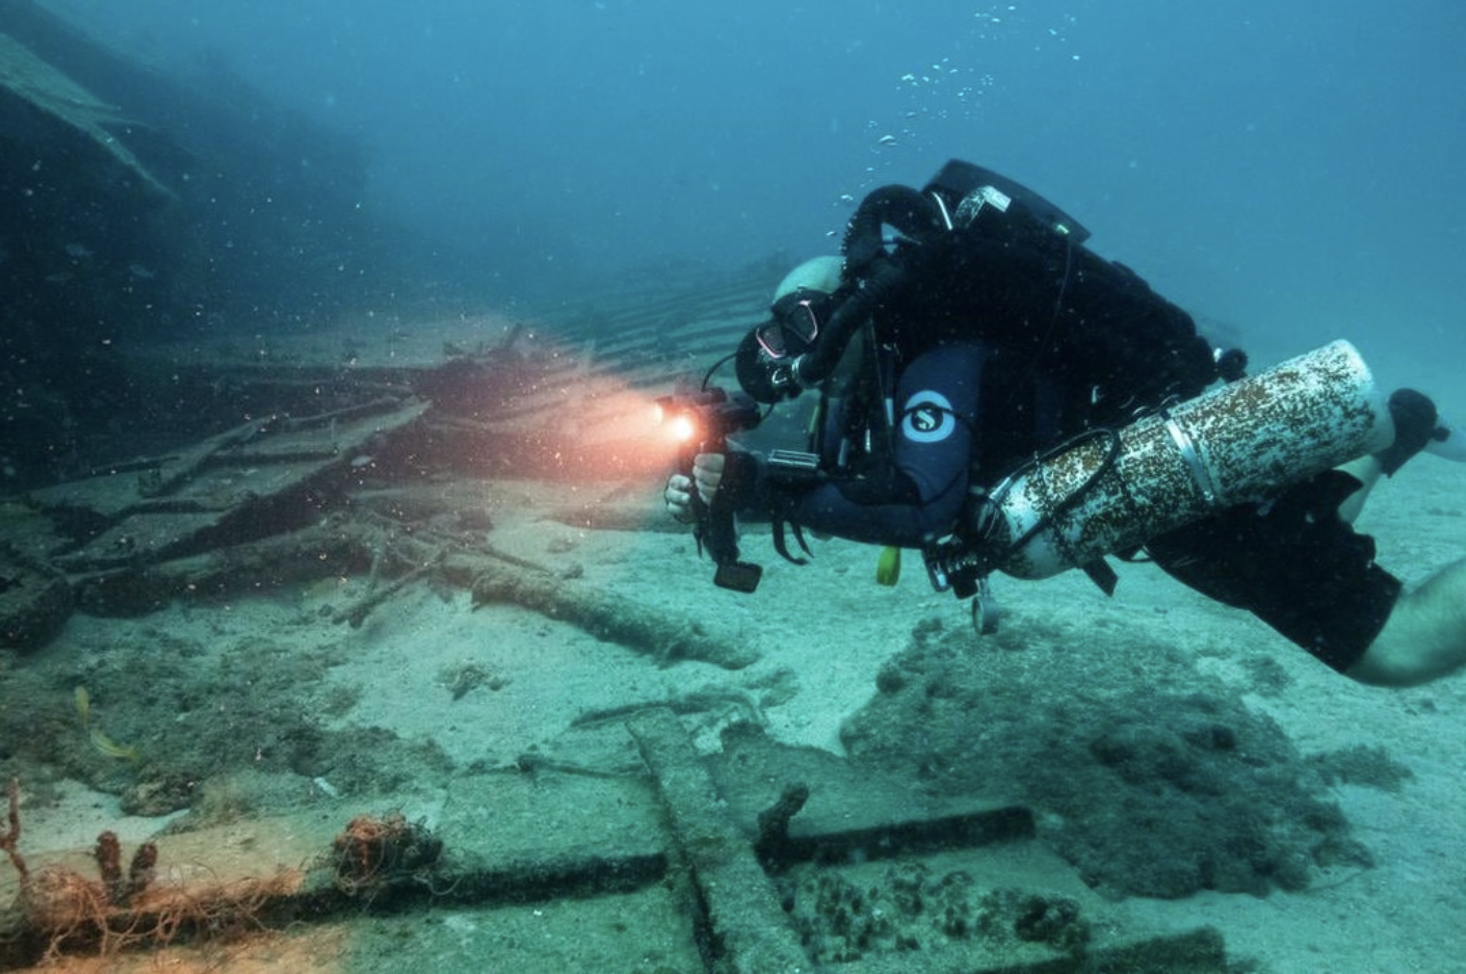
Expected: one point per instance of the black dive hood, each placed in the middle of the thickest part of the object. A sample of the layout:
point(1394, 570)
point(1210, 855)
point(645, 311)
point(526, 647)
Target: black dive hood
point(875, 272)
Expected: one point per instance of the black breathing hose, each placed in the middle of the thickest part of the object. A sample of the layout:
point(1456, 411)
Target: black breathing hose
point(814, 366)
point(910, 211)
point(913, 214)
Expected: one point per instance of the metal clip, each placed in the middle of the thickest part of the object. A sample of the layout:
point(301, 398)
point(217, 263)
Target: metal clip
point(985, 609)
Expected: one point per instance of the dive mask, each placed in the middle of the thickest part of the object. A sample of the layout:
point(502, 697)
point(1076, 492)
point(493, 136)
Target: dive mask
point(795, 323)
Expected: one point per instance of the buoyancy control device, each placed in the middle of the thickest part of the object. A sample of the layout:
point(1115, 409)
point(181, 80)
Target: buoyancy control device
point(974, 254)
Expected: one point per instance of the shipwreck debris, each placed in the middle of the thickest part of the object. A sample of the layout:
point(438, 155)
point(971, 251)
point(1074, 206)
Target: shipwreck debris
point(10, 839)
point(59, 910)
point(773, 846)
point(750, 931)
point(665, 636)
point(372, 853)
point(35, 600)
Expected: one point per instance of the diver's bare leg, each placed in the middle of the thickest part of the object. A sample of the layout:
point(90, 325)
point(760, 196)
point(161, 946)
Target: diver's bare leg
point(1425, 636)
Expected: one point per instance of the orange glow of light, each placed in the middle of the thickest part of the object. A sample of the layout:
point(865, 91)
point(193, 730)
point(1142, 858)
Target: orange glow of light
point(557, 420)
point(682, 428)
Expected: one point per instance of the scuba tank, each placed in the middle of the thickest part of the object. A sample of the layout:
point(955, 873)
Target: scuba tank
point(1106, 491)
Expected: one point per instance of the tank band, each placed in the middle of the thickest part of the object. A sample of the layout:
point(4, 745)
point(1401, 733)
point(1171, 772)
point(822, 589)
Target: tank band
point(1192, 459)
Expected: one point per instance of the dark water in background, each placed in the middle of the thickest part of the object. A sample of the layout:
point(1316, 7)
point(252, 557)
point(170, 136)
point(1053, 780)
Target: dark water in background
point(1289, 169)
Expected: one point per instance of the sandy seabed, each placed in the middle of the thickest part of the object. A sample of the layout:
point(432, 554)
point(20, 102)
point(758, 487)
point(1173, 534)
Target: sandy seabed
point(452, 687)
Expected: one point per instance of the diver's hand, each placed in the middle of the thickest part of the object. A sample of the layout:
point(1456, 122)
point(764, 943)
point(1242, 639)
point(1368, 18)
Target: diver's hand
point(707, 474)
point(678, 498)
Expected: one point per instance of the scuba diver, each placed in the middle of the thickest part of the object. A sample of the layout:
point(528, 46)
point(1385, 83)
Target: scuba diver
point(968, 350)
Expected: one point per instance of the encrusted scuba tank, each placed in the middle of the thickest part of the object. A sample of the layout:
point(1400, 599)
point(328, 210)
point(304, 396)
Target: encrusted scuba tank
point(1107, 491)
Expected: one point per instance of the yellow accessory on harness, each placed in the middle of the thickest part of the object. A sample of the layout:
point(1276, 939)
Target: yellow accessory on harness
point(888, 567)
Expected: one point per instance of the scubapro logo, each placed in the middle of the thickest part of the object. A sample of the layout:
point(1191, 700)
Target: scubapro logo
point(927, 418)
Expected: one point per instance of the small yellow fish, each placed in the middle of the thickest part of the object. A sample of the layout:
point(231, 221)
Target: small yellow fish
point(111, 748)
point(101, 741)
